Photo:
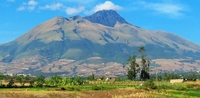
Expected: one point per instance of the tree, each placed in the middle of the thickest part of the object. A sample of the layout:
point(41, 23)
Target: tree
point(22, 79)
point(64, 81)
point(144, 65)
point(69, 81)
point(32, 81)
point(10, 83)
point(40, 80)
point(133, 67)
point(91, 77)
point(2, 77)
point(79, 80)
point(55, 81)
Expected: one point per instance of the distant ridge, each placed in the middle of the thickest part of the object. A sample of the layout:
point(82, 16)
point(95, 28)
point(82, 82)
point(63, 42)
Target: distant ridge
point(106, 17)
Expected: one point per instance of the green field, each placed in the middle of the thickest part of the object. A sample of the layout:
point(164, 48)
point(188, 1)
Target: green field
point(108, 89)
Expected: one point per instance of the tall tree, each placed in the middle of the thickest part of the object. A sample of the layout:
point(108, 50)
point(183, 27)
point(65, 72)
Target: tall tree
point(144, 65)
point(133, 67)
point(91, 77)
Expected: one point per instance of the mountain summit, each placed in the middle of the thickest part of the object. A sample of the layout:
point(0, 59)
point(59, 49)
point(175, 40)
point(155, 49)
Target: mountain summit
point(106, 17)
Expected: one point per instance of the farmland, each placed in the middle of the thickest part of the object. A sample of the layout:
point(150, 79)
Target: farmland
point(111, 89)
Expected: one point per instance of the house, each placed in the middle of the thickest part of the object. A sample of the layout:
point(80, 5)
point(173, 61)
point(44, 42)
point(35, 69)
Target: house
point(111, 78)
point(176, 80)
point(182, 80)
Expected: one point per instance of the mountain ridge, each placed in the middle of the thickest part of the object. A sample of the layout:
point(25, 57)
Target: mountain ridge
point(80, 40)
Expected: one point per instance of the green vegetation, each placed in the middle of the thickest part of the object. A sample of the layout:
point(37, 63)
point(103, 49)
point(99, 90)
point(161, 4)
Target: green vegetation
point(154, 85)
point(150, 88)
point(135, 68)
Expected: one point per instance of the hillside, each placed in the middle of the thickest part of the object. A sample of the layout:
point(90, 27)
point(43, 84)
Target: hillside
point(90, 43)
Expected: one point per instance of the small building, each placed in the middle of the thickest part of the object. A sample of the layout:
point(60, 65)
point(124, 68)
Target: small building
point(182, 80)
point(176, 80)
point(112, 78)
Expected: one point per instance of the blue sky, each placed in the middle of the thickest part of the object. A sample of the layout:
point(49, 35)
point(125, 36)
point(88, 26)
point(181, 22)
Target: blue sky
point(180, 17)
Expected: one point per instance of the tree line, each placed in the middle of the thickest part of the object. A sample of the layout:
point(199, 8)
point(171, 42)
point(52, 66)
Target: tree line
point(135, 71)
point(7, 81)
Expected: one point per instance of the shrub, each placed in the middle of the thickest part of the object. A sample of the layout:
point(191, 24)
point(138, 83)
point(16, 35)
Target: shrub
point(191, 85)
point(72, 89)
point(149, 84)
point(62, 88)
point(95, 87)
point(180, 87)
point(2, 86)
point(164, 86)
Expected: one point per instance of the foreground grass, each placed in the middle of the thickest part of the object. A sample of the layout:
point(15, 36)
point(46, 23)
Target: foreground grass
point(117, 93)
point(126, 89)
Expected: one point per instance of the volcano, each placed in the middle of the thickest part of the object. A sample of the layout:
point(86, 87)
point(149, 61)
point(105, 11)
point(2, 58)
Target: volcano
point(81, 45)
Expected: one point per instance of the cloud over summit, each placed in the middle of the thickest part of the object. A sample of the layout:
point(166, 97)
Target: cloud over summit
point(108, 5)
point(70, 10)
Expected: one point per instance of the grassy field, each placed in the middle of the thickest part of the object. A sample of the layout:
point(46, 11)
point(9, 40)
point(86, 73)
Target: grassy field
point(117, 93)
point(127, 89)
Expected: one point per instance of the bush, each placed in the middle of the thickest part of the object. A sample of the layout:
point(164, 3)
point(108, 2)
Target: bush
point(180, 87)
point(62, 88)
point(72, 89)
point(164, 87)
point(95, 87)
point(2, 86)
point(149, 84)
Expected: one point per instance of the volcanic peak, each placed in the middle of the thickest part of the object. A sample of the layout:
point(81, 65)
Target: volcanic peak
point(106, 17)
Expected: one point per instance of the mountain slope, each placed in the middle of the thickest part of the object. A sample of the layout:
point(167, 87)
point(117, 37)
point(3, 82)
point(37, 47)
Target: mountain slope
point(101, 38)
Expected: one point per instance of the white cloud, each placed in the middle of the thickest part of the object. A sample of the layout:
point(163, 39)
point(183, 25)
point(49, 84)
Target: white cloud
point(30, 8)
point(108, 5)
point(30, 5)
point(165, 8)
point(21, 8)
point(72, 11)
point(79, 1)
point(55, 6)
point(11, 0)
